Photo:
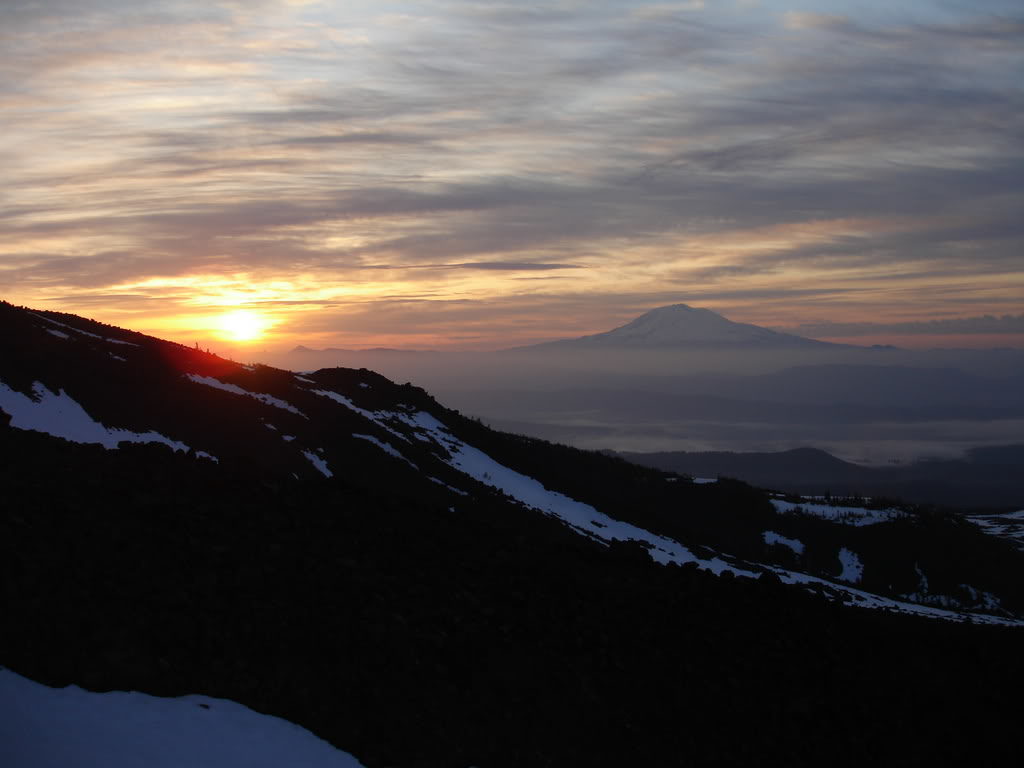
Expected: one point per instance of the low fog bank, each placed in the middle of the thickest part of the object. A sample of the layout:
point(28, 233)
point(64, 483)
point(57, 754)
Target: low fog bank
point(868, 405)
point(869, 444)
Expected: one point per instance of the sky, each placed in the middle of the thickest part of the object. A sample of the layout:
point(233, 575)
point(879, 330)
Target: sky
point(471, 174)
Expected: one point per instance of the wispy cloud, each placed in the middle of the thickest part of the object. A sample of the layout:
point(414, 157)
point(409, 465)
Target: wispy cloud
point(731, 152)
point(986, 324)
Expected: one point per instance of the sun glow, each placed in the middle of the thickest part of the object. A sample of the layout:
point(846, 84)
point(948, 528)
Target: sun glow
point(242, 325)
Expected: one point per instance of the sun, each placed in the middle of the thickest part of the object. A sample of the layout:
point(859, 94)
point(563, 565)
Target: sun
point(243, 325)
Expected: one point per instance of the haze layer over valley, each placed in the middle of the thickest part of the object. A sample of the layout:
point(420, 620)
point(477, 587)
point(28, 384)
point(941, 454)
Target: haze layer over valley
point(682, 378)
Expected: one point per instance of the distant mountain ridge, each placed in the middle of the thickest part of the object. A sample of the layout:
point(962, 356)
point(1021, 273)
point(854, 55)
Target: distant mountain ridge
point(988, 477)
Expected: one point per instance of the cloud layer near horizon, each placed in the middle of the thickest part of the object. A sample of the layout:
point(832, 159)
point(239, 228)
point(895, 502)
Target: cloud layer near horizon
point(451, 172)
point(986, 325)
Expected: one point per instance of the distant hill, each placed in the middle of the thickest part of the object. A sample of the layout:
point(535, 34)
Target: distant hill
point(989, 477)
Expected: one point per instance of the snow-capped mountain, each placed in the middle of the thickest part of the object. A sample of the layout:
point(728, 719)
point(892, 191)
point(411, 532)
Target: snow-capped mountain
point(417, 588)
point(683, 325)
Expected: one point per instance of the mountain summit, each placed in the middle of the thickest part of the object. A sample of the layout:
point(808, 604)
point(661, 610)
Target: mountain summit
point(683, 325)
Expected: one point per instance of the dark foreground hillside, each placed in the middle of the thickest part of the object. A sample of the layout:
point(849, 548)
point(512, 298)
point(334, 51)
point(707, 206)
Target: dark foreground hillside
point(411, 635)
point(346, 553)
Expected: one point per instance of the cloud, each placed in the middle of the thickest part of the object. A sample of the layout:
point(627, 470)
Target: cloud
point(465, 146)
point(985, 324)
point(814, 21)
point(500, 266)
point(378, 137)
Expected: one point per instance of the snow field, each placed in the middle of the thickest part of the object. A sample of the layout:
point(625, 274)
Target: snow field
point(319, 463)
point(771, 537)
point(59, 415)
point(236, 390)
point(581, 517)
point(386, 447)
point(1009, 526)
point(42, 727)
point(855, 516)
point(377, 417)
point(853, 569)
point(79, 330)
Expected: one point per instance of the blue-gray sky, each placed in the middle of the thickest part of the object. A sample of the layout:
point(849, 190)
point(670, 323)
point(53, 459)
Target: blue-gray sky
point(484, 174)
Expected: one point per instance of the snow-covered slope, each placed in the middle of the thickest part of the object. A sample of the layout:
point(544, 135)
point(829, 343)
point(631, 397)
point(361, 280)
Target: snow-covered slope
point(1009, 526)
point(840, 513)
point(43, 727)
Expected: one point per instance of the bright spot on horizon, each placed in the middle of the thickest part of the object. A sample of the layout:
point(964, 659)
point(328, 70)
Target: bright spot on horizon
point(243, 325)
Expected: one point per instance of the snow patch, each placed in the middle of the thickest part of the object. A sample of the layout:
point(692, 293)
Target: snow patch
point(235, 389)
point(450, 488)
point(854, 516)
point(59, 415)
point(43, 727)
point(1009, 526)
point(346, 402)
point(853, 569)
point(386, 447)
point(425, 427)
point(377, 417)
point(210, 456)
point(771, 537)
point(65, 325)
point(862, 599)
point(986, 599)
point(975, 599)
point(58, 334)
point(704, 480)
point(581, 517)
point(79, 330)
point(118, 357)
point(319, 463)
